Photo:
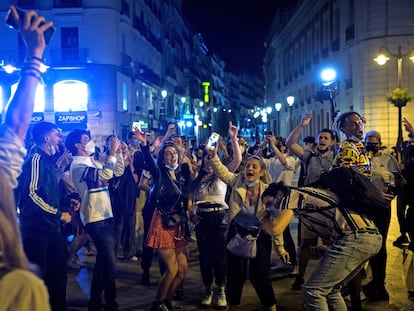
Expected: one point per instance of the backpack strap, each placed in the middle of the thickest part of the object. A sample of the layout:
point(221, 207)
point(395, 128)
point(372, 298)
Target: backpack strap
point(333, 203)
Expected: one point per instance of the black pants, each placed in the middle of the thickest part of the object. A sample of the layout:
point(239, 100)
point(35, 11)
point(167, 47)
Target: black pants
point(379, 261)
point(211, 243)
point(48, 251)
point(258, 272)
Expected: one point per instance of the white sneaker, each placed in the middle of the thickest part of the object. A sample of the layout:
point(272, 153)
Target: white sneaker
point(207, 300)
point(220, 301)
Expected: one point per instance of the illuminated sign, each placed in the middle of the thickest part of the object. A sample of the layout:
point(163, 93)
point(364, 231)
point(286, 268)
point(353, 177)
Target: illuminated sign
point(69, 121)
point(37, 117)
point(141, 125)
point(206, 86)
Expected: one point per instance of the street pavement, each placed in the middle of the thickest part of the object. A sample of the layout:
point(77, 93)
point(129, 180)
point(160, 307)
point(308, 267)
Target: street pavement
point(133, 296)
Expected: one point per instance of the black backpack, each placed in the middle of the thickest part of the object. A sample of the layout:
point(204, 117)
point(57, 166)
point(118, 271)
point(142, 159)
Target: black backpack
point(355, 191)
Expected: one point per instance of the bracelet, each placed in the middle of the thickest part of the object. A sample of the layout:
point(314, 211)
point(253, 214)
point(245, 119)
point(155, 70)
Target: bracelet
point(32, 74)
point(31, 68)
point(29, 58)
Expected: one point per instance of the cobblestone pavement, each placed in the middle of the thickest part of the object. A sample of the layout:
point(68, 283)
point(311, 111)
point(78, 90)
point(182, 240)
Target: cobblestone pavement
point(133, 296)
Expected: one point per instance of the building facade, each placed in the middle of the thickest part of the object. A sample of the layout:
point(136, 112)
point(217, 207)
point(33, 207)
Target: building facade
point(346, 36)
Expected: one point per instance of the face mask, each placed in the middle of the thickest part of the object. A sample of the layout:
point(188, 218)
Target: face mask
point(355, 139)
point(252, 183)
point(90, 147)
point(52, 150)
point(373, 148)
point(323, 151)
point(208, 170)
point(172, 168)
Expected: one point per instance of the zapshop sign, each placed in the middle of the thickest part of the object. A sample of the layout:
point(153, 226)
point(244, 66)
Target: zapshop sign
point(68, 121)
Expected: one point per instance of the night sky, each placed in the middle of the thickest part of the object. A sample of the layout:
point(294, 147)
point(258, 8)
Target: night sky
point(234, 29)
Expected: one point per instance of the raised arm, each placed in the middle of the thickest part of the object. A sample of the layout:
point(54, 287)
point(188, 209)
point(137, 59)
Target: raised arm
point(237, 156)
point(272, 141)
point(20, 109)
point(291, 140)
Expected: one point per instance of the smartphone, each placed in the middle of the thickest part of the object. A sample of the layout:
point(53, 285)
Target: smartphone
point(12, 23)
point(269, 133)
point(212, 141)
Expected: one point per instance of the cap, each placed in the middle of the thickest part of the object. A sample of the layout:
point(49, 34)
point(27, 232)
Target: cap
point(373, 133)
point(309, 140)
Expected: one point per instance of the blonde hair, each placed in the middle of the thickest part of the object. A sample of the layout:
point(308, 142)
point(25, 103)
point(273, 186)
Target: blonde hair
point(11, 249)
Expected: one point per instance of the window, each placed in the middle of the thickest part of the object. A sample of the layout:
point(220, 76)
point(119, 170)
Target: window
point(124, 97)
point(70, 95)
point(70, 43)
point(39, 105)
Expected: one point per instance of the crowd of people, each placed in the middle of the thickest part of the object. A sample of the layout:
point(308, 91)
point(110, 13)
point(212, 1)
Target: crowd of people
point(154, 193)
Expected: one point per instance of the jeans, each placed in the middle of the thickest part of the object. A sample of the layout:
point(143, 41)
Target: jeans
point(48, 251)
point(340, 263)
point(258, 272)
point(103, 280)
point(211, 243)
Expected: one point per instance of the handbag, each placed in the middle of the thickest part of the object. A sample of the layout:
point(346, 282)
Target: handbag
point(174, 219)
point(244, 242)
point(243, 247)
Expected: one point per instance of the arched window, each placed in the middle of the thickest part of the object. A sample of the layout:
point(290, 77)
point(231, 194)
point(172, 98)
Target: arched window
point(70, 95)
point(39, 105)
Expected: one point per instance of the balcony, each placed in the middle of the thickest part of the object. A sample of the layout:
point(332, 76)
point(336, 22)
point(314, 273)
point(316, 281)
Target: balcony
point(68, 57)
point(67, 3)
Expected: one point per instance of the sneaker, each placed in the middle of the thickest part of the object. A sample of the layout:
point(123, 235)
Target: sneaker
point(220, 301)
point(207, 300)
point(400, 241)
point(297, 284)
point(133, 258)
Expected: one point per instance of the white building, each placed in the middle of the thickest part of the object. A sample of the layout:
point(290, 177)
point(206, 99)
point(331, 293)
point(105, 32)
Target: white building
point(345, 35)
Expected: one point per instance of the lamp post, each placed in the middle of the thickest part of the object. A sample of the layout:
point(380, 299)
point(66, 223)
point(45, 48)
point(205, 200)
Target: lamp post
point(381, 60)
point(290, 100)
point(164, 94)
point(328, 89)
point(278, 106)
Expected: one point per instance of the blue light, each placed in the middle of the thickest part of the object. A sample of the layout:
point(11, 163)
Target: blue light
point(328, 75)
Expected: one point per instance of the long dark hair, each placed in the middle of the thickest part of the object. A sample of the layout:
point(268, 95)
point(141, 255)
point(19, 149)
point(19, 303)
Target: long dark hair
point(160, 155)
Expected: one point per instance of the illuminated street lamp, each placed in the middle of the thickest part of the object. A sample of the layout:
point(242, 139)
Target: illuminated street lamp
point(278, 106)
point(290, 100)
point(382, 60)
point(328, 89)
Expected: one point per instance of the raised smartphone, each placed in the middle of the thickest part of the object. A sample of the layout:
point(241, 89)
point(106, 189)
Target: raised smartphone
point(212, 141)
point(12, 23)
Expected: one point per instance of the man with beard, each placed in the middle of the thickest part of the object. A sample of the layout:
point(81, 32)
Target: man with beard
point(313, 164)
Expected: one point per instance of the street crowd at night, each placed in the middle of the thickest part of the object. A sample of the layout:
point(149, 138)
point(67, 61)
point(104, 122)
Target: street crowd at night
point(310, 213)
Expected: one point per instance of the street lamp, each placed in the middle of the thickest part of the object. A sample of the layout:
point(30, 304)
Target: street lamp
point(290, 100)
point(278, 106)
point(382, 60)
point(328, 89)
